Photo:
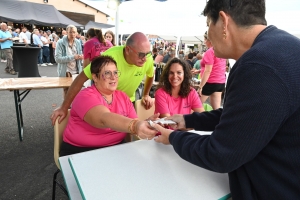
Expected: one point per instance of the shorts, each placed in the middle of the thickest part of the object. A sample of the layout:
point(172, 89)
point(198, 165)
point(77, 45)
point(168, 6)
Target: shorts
point(210, 88)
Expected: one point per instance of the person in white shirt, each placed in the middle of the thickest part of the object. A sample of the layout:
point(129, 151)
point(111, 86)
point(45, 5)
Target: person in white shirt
point(23, 37)
point(46, 50)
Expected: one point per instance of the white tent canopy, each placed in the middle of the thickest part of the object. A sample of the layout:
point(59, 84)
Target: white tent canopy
point(177, 17)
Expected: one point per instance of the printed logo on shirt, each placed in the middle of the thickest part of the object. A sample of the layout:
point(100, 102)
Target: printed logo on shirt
point(186, 106)
point(138, 74)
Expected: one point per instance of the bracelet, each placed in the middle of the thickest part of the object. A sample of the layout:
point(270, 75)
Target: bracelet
point(131, 126)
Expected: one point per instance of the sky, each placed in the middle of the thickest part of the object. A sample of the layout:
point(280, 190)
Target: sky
point(184, 16)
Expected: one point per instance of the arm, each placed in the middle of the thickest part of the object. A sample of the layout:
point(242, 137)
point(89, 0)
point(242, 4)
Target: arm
point(72, 92)
point(100, 117)
point(146, 99)
point(198, 109)
point(245, 128)
point(86, 62)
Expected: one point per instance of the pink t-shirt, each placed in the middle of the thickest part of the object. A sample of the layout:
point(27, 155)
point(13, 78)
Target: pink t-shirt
point(80, 133)
point(165, 103)
point(217, 74)
point(93, 48)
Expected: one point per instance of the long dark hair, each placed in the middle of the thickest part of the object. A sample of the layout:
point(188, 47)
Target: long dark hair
point(92, 32)
point(186, 85)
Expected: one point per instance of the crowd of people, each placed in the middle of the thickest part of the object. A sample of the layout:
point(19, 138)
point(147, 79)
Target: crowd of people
point(255, 136)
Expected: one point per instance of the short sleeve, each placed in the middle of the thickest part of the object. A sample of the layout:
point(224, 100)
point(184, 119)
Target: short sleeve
point(195, 100)
point(161, 102)
point(150, 70)
point(209, 57)
point(90, 99)
point(87, 51)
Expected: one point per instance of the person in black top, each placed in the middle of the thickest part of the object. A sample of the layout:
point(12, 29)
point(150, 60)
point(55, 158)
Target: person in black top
point(154, 53)
point(255, 137)
point(189, 60)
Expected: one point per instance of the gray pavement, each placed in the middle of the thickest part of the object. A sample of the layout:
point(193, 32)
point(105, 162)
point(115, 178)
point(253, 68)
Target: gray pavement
point(26, 168)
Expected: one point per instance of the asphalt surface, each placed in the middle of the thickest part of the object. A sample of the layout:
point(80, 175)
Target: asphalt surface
point(27, 167)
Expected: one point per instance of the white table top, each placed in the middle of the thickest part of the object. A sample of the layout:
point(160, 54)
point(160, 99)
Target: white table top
point(34, 83)
point(140, 170)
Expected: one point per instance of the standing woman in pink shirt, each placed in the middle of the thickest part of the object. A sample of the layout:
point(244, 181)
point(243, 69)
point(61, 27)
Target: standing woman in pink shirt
point(212, 76)
point(175, 94)
point(95, 45)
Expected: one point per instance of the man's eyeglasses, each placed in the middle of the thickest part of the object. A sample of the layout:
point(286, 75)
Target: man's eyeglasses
point(141, 55)
point(108, 74)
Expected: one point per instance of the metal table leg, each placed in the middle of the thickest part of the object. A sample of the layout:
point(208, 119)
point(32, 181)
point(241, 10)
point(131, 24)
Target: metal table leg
point(18, 101)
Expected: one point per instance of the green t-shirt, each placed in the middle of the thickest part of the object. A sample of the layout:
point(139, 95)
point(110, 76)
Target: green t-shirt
point(197, 66)
point(131, 75)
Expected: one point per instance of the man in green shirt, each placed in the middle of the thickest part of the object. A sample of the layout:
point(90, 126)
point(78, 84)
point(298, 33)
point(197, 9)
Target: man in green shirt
point(134, 61)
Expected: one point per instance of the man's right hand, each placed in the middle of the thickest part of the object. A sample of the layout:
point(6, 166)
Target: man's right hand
point(58, 112)
point(180, 122)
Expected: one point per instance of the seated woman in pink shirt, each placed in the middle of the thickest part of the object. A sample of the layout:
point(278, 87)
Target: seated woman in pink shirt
point(212, 76)
point(175, 94)
point(101, 115)
point(95, 45)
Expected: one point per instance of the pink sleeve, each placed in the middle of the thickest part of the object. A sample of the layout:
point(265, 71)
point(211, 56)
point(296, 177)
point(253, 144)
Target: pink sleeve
point(195, 100)
point(87, 50)
point(209, 57)
point(84, 101)
point(161, 105)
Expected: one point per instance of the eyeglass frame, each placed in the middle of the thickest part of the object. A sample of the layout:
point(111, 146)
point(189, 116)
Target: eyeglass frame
point(139, 53)
point(117, 74)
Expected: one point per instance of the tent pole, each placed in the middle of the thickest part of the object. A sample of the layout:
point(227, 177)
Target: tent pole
point(117, 28)
point(177, 45)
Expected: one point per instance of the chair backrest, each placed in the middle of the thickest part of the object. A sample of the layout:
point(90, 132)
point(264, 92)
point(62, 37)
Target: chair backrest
point(58, 136)
point(141, 112)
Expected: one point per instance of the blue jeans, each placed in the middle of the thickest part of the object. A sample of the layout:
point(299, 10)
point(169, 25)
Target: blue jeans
point(46, 53)
point(40, 57)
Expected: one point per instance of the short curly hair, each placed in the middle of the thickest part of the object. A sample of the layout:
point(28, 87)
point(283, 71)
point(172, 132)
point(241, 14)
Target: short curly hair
point(186, 84)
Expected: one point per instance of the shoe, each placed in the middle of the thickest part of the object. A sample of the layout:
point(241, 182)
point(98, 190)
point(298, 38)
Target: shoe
point(12, 72)
point(39, 65)
point(4, 60)
point(49, 64)
point(6, 70)
point(43, 65)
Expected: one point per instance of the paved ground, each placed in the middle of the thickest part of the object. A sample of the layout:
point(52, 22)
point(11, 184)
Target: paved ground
point(26, 168)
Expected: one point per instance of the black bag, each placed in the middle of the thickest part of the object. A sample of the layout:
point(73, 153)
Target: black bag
point(31, 42)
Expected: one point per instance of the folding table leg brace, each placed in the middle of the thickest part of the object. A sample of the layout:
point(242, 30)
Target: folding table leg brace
point(18, 101)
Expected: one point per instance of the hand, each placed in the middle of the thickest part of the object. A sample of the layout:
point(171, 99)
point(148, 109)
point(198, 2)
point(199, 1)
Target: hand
point(165, 133)
point(154, 117)
point(58, 112)
point(200, 91)
point(147, 101)
point(180, 122)
point(144, 130)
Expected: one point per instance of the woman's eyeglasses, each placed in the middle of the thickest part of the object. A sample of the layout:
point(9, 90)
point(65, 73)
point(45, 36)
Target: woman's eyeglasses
point(108, 74)
point(141, 55)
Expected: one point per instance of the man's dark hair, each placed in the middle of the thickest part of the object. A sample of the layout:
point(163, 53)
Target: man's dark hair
point(154, 50)
point(185, 87)
point(194, 53)
point(99, 62)
point(244, 12)
point(191, 55)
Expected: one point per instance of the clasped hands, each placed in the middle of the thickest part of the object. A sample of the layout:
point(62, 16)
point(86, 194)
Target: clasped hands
point(164, 133)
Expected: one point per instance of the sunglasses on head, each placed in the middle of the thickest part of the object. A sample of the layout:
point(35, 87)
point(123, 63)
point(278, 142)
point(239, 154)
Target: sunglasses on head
point(141, 55)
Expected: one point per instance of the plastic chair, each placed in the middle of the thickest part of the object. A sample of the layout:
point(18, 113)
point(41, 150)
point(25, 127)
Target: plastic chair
point(207, 107)
point(142, 113)
point(58, 138)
